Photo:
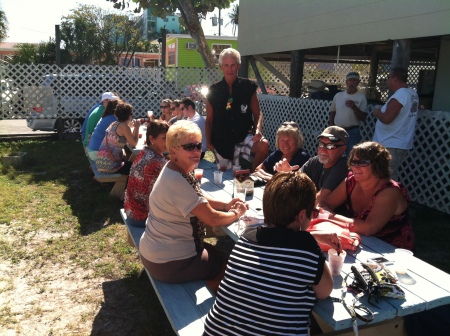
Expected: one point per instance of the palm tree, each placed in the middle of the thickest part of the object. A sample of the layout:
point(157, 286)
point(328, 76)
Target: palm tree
point(234, 18)
point(3, 26)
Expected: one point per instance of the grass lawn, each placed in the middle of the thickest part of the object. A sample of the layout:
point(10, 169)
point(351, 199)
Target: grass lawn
point(66, 266)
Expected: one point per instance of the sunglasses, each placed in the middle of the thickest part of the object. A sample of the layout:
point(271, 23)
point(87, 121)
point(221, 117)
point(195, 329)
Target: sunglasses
point(360, 163)
point(290, 123)
point(166, 106)
point(315, 213)
point(191, 146)
point(329, 146)
point(172, 108)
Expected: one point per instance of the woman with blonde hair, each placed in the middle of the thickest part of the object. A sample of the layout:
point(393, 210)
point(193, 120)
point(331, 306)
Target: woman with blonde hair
point(289, 143)
point(172, 247)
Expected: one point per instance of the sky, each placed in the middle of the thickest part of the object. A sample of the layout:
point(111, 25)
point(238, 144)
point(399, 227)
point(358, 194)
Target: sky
point(33, 21)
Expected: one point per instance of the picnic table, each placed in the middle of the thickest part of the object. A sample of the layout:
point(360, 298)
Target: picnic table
point(425, 286)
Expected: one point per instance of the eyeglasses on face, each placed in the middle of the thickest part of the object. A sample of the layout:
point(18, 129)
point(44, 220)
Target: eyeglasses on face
point(315, 213)
point(191, 146)
point(329, 146)
point(164, 106)
point(360, 163)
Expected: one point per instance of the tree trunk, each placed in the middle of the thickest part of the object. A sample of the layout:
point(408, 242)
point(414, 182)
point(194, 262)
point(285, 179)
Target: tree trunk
point(192, 21)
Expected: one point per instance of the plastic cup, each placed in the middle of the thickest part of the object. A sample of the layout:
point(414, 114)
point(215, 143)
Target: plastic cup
point(198, 174)
point(218, 177)
point(336, 261)
point(240, 192)
point(223, 163)
point(402, 260)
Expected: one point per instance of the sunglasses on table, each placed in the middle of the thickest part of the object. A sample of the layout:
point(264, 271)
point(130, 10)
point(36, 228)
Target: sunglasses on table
point(360, 163)
point(191, 146)
point(329, 146)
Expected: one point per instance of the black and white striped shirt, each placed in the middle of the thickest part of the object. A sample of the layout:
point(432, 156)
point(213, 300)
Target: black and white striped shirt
point(267, 285)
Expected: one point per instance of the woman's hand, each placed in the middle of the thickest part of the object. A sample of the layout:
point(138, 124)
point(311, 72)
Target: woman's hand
point(330, 239)
point(240, 206)
point(284, 166)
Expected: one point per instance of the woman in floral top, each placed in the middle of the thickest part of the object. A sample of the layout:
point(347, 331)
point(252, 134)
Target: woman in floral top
point(144, 172)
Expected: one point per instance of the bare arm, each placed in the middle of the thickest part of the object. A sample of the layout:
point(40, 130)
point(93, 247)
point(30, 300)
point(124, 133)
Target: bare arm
point(213, 214)
point(393, 109)
point(330, 200)
point(388, 202)
point(257, 117)
point(325, 285)
point(261, 172)
point(209, 124)
point(132, 137)
point(332, 114)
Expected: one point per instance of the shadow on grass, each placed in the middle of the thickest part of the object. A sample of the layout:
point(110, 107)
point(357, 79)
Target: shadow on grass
point(140, 312)
point(66, 163)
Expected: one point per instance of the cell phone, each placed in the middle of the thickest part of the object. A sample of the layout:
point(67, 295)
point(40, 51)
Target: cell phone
point(379, 260)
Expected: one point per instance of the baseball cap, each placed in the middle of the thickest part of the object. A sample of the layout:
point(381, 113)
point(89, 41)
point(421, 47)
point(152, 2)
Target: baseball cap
point(353, 74)
point(335, 134)
point(109, 95)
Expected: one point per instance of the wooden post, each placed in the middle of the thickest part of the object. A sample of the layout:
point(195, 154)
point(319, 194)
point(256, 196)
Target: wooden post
point(297, 64)
point(58, 45)
point(373, 69)
point(243, 70)
point(163, 47)
point(401, 52)
point(258, 75)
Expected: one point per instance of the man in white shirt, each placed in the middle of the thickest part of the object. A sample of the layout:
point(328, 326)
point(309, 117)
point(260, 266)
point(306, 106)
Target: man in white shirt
point(187, 106)
point(348, 109)
point(397, 119)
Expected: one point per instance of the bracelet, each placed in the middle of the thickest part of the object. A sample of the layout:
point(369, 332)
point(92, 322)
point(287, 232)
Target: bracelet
point(235, 212)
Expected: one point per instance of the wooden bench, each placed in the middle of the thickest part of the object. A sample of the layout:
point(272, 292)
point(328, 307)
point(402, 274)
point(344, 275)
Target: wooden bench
point(119, 179)
point(186, 304)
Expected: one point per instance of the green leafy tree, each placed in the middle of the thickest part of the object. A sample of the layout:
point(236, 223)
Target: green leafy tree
point(41, 53)
point(3, 26)
point(92, 35)
point(234, 18)
point(80, 33)
point(191, 13)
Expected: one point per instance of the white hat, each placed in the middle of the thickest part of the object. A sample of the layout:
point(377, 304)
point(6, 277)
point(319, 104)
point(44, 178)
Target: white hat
point(109, 95)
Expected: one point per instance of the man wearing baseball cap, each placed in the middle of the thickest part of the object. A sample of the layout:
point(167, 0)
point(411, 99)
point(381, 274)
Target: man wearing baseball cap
point(329, 168)
point(92, 119)
point(348, 109)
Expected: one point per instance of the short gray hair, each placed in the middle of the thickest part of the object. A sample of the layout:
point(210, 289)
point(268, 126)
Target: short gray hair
point(230, 52)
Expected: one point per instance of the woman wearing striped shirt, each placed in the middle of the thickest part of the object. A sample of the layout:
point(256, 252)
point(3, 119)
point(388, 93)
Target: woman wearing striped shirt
point(275, 273)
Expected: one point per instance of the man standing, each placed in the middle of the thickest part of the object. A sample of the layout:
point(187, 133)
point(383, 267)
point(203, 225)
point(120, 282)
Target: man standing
point(188, 108)
point(233, 115)
point(397, 119)
point(96, 115)
point(329, 168)
point(348, 109)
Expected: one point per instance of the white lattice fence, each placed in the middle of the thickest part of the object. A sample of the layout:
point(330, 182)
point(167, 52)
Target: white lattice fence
point(335, 73)
point(425, 170)
point(76, 88)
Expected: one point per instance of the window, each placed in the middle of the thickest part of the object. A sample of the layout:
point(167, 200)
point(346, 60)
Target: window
point(172, 54)
point(166, 20)
point(217, 49)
